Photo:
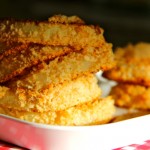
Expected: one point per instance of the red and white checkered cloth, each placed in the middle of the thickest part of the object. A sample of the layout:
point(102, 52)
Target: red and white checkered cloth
point(142, 146)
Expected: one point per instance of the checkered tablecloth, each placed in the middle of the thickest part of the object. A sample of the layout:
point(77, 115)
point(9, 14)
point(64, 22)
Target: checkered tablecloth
point(142, 146)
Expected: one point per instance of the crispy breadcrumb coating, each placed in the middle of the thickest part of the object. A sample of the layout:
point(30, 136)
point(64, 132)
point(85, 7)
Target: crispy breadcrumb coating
point(66, 68)
point(131, 96)
point(50, 77)
point(133, 65)
point(66, 19)
point(96, 112)
point(52, 98)
point(24, 56)
point(52, 32)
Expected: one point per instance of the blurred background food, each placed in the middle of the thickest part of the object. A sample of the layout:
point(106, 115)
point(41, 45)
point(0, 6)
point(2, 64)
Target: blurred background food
point(124, 21)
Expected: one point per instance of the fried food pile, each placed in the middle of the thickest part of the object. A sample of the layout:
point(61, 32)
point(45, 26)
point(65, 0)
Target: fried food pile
point(133, 77)
point(48, 71)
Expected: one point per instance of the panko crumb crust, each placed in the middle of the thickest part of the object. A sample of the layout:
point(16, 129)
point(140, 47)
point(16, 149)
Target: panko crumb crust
point(98, 111)
point(131, 96)
point(51, 98)
point(132, 64)
point(72, 30)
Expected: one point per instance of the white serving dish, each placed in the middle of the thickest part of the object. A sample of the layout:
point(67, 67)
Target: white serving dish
point(99, 137)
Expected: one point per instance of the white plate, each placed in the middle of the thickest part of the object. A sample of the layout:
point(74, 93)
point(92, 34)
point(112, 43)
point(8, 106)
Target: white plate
point(100, 137)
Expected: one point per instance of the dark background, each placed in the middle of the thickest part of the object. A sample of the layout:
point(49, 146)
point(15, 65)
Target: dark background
point(124, 21)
